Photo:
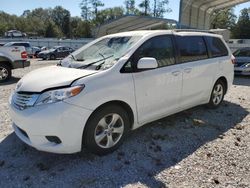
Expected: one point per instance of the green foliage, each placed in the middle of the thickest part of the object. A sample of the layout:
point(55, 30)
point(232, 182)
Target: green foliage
point(160, 8)
point(130, 6)
point(223, 19)
point(108, 14)
point(57, 22)
point(242, 28)
point(61, 18)
point(145, 7)
point(52, 30)
point(85, 6)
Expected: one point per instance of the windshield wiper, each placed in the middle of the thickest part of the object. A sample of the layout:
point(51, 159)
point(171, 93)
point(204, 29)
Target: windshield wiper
point(87, 65)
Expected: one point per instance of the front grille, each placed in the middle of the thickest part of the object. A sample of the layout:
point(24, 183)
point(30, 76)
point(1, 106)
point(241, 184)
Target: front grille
point(22, 101)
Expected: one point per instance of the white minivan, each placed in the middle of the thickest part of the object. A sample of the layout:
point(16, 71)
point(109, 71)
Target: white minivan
point(117, 83)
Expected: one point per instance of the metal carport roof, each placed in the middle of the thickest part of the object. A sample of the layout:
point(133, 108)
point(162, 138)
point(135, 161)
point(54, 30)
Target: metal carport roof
point(197, 13)
point(131, 23)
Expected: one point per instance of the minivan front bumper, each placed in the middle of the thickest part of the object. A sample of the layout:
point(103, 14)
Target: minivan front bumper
point(61, 120)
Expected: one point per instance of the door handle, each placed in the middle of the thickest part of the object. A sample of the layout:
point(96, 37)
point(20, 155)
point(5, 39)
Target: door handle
point(187, 70)
point(176, 73)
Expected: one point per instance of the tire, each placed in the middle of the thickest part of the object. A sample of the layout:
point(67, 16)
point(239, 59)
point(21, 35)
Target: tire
point(217, 94)
point(100, 131)
point(52, 57)
point(5, 72)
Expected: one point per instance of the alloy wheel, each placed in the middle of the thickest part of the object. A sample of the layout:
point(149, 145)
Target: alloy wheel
point(109, 130)
point(217, 94)
point(3, 73)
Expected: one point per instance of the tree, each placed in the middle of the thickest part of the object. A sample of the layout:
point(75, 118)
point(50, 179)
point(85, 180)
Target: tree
point(130, 6)
point(51, 30)
point(61, 18)
point(85, 6)
point(145, 6)
point(109, 14)
point(96, 4)
point(223, 19)
point(26, 13)
point(242, 28)
point(160, 8)
point(80, 28)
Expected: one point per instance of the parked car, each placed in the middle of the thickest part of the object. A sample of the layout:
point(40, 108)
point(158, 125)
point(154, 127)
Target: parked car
point(12, 58)
point(43, 48)
point(14, 34)
point(36, 51)
point(117, 83)
point(242, 61)
point(26, 45)
point(55, 52)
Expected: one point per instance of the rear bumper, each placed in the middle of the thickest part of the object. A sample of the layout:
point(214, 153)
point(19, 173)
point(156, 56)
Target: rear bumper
point(20, 64)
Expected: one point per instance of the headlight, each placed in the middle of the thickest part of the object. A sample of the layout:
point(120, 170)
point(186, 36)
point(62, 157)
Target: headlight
point(53, 96)
point(247, 65)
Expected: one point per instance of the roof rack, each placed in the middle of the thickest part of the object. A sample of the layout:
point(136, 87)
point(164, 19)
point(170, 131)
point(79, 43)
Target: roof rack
point(194, 30)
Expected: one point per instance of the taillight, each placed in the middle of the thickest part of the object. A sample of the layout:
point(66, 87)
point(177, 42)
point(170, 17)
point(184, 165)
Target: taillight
point(233, 59)
point(24, 55)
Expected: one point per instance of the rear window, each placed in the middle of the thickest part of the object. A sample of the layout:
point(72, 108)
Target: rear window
point(191, 48)
point(217, 47)
point(22, 44)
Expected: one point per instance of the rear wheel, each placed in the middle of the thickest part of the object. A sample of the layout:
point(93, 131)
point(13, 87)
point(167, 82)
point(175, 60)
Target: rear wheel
point(5, 72)
point(106, 130)
point(52, 57)
point(217, 94)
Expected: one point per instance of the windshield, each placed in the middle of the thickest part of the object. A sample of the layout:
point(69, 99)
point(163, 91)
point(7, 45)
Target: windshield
point(104, 53)
point(242, 53)
point(8, 44)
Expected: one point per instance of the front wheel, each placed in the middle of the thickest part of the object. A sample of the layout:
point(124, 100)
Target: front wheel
point(5, 72)
point(106, 130)
point(217, 94)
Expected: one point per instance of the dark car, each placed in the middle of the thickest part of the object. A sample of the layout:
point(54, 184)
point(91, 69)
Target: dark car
point(242, 61)
point(55, 52)
point(36, 50)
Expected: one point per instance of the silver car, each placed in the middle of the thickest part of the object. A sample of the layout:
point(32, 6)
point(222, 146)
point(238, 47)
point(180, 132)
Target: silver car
point(242, 61)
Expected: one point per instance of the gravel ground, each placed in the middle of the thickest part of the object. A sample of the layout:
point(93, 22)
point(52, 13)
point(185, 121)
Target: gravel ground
point(196, 148)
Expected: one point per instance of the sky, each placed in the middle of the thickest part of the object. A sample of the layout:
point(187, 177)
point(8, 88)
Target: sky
point(17, 7)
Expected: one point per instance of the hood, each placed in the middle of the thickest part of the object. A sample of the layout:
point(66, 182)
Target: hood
point(50, 77)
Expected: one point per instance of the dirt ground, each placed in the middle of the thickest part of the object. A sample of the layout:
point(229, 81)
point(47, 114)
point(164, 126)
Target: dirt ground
point(199, 147)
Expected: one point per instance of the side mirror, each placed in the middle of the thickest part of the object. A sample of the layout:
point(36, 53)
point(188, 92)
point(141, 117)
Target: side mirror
point(147, 63)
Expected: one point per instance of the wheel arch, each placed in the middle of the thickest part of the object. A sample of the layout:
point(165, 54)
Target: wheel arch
point(224, 80)
point(120, 103)
point(6, 61)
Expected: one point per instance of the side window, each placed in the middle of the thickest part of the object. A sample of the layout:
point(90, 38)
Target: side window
point(59, 49)
point(160, 47)
point(191, 48)
point(217, 47)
